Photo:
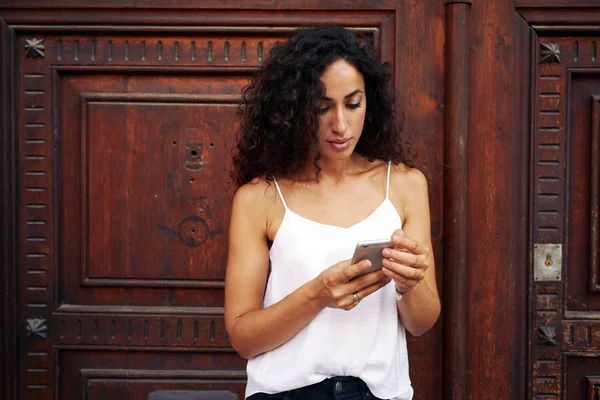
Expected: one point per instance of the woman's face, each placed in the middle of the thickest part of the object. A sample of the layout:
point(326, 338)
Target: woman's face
point(341, 110)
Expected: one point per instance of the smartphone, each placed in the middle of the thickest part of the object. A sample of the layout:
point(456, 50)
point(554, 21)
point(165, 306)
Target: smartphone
point(371, 250)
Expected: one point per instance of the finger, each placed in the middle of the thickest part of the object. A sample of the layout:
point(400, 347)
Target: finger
point(352, 301)
point(366, 280)
point(347, 302)
point(363, 293)
point(344, 271)
point(404, 271)
point(412, 245)
point(353, 270)
point(403, 257)
point(407, 271)
point(401, 281)
point(397, 235)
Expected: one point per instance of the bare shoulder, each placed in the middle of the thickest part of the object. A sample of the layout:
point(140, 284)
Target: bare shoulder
point(254, 204)
point(254, 193)
point(408, 180)
point(408, 190)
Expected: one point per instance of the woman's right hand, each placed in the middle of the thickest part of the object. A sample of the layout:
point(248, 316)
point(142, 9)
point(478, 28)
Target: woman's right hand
point(339, 289)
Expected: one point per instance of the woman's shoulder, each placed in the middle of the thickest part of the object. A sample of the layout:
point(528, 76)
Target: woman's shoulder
point(408, 179)
point(408, 190)
point(255, 195)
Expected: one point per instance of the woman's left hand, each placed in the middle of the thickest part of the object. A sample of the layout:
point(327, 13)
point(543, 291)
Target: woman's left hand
point(407, 262)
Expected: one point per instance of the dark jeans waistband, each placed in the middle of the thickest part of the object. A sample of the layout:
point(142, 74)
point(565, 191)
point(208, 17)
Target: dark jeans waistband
point(335, 388)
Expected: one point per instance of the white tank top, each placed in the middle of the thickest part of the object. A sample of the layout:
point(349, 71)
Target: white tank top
point(367, 342)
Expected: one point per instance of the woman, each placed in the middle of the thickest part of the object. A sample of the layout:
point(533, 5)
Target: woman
point(320, 167)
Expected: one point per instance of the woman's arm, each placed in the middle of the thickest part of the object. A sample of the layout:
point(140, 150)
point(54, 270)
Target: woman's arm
point(253, 329)
point(413, 258)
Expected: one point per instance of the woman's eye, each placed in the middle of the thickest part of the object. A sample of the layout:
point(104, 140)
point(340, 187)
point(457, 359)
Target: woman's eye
point(353, 105)
point(323, 110)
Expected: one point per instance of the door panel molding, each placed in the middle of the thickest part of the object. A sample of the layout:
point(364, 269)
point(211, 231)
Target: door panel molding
point(206, 4)
point(9, 303)
point(213, 20)
point(142, 330)
point(594, 266)
point(101, 373)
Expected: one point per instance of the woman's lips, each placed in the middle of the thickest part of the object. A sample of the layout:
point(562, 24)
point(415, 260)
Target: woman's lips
point(339, 144)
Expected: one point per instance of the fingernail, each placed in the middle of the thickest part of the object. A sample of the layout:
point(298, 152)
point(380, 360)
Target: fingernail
point(367, 263)
point(386, 262)
point(395, 238)
point(386, 252)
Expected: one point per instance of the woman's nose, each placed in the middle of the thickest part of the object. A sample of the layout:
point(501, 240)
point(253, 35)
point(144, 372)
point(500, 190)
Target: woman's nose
point(339, 123)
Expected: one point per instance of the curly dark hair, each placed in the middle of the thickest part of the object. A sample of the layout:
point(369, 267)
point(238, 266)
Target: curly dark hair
point(280, 115)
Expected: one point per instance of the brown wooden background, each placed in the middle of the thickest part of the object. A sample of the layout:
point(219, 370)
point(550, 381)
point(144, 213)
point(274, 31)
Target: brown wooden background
point(114, 207)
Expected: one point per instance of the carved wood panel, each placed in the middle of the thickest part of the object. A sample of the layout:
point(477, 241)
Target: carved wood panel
point(36, 219)
point(581, 376)
point(548, 216)
point(218, 50)
point(137, 164)
point(102, 374)
point(564, 336)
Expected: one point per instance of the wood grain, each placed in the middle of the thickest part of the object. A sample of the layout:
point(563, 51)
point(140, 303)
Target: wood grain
point(498, 178)
point(419, 82)
point(456, 137)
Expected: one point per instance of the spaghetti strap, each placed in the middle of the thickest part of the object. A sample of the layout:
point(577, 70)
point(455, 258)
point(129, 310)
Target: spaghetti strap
point(280, 194)
point(387, 186)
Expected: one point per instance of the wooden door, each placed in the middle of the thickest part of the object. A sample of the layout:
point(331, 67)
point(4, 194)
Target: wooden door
point(124, 120)
point(565, 186)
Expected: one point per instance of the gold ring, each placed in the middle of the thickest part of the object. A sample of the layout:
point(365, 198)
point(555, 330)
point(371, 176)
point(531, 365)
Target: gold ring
point(356, 299)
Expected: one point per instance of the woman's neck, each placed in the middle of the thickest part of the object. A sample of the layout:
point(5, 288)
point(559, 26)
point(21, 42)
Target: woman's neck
point(331, 170)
